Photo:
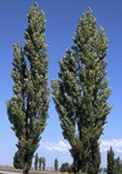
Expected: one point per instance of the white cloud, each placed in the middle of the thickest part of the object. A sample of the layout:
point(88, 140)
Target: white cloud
point(62, 146)
point(61, 149)
point(115, 143)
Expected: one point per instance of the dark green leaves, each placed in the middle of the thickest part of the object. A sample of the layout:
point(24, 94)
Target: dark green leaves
point(28, 107)
point(81, 93)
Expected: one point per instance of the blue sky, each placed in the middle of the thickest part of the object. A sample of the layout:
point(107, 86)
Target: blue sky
point(62, 18)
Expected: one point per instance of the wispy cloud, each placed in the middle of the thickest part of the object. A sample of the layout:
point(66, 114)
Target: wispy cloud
point(115, 143)
point(62, 146)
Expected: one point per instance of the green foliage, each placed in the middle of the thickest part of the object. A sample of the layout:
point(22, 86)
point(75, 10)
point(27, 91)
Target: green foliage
point(43, 163)
point(40, 163)
point(114, 165)
point(36, 161)
point(110, 161)
point(17, 162)
point(117, 166)
point(27, 109)
point(56, 164)
point(66, 167)
point(81, 93)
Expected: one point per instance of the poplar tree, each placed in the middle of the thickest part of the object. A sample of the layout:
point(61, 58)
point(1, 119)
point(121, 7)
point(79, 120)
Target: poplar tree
point(117, 166)
point(81, 92)
point(110, 162)
point(43, 163)
point(56, 164)
point(27, 109)
point(36, 161)
point(40, 163)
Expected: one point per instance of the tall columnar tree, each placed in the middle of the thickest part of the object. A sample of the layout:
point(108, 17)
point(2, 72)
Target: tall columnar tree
point(27, 109)
point(56, 164)
point(43, 163)
point(40, 163)
point(110, 161)
point(117, 166)
point(114, 165)
point(81, 93)
point(36, 161)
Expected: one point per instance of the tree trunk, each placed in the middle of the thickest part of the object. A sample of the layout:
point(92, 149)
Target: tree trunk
point(26, 169)
point(80, 172)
